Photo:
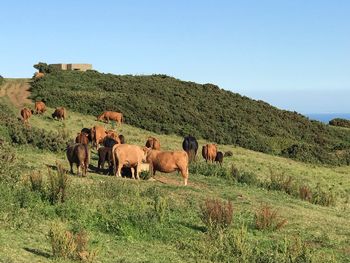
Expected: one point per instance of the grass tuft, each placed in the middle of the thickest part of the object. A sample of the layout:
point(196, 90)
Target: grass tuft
point(268, 219)
point(216, 215)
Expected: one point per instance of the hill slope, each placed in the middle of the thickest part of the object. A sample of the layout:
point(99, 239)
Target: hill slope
point(159, 221)
point(167, 105)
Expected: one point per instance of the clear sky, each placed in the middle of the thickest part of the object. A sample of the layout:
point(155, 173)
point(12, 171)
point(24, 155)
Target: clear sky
point(294, 54)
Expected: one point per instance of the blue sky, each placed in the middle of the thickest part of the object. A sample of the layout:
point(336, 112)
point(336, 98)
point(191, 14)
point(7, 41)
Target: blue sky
point(292, 54)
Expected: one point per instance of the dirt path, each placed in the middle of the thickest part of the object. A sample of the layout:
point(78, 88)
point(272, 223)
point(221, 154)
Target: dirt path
point(17, 91)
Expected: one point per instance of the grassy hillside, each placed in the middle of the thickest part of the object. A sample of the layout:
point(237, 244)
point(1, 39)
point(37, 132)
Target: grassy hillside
point(167, 105)
point(160, 221)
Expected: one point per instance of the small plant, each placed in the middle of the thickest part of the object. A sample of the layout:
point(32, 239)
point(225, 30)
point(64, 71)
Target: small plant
point(62, 241)
point(82, 252)
point(281, 182)
point(228, 154)
point(145, 175)
point(58, 184)
point(248, 178)
point(113, 124)
point(216, 215)
point(305, 193)
point(237, 245)
point(295, 250)
point(160, 208)
point(64, 132)
point(8, 169)
point(36, 182)
point(67, 245)
point(324, 197)
point(267, 218)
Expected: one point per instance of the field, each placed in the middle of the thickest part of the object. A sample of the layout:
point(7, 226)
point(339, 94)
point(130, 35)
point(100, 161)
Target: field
point(159, 220)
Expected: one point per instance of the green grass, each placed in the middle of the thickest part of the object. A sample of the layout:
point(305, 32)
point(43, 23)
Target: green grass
point(119, 213)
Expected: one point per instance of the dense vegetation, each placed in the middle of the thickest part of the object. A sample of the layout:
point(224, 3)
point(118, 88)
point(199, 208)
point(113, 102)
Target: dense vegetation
point(251, 209)
point(340, 122)
point(167, 105)
point(1, 80)
point(13, 131)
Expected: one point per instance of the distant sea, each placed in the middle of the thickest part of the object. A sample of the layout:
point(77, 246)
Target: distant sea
point(326, 117)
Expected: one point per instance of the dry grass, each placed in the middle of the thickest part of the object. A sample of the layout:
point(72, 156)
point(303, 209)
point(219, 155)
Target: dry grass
point(268, 219)
point(216, 214)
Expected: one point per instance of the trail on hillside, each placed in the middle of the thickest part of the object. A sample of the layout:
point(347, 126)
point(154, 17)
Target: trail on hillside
point(17, 91)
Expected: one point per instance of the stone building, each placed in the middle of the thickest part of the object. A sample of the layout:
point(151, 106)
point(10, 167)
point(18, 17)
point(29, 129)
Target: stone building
point(79, 67)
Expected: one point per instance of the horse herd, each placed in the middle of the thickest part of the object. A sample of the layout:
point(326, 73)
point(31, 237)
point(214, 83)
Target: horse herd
point(123, 157)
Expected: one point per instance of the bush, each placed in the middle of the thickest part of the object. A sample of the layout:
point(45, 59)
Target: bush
point(208, 169)
point(340, 122)
point(145, 175)
point(58, 184)
point(36, 182)
point(234, 247)
point(244, 177)
point(66, 245)
point(313, 153)
point(216, 215)
point(281, 182)
point(160, 208)
point(18, 133)
point(324, 197)
point(267, 219)
point(228, 154)
point(44, 68)
point(9, 170)
point(296, 250)
point(62, 241)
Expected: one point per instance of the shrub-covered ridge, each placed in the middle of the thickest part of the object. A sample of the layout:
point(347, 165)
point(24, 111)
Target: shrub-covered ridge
point(167, 105)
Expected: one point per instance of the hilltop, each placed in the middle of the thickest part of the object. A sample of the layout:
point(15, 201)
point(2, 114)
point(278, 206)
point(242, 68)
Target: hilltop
point(166, 105)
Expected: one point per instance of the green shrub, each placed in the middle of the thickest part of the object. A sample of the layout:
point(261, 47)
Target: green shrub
point(234, 247)
point(188, 108)
point(296, 250)
point(161, 208)
point(208, 169)
point(58, 184)
point(9, 170)
point(323, 197)
point(68, 245)
point(244, 177)
point(281, 182)
point(228, 154)
point(145, 175)
point(313, 153)
point(340, 122)
point(18, 133)
point(44, 68)
point(62, 241)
